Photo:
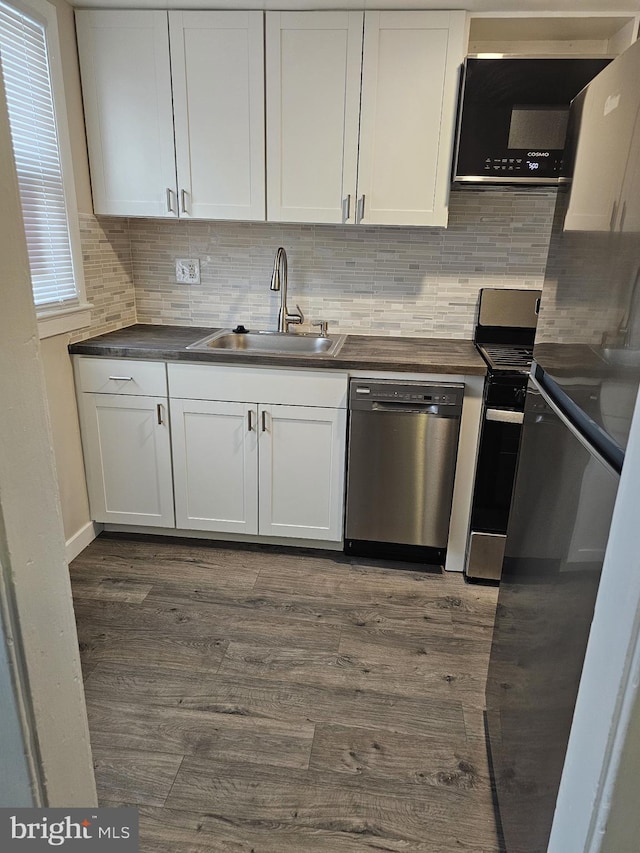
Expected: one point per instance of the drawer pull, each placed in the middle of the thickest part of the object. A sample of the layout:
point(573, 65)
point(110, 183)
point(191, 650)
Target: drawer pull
point(159, 411)
point(250, 419)
point(121, 378)
point(264, 421)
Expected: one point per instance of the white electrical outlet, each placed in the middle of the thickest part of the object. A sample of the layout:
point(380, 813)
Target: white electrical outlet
point(188, 270)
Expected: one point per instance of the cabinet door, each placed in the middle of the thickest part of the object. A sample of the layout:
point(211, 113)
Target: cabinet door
point(409, 85)
point(215, 462)
point(608, 116)
point(313, 95)
point(302, 459)
point(126, 84)
point(217, 62)
point(127, 459)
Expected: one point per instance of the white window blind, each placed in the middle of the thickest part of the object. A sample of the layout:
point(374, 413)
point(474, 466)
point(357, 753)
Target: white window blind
point(27, 80)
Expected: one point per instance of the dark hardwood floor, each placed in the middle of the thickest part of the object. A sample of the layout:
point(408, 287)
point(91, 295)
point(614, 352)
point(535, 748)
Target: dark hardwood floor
point(248, 700)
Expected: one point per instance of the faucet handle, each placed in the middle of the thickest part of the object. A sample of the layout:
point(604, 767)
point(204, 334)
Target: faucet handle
point(324, 325)
point(296, 317)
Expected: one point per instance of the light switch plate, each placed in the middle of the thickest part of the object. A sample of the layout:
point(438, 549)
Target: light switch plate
point(188, 270)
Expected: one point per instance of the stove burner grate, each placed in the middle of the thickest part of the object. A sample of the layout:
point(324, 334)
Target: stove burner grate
point(508, 357)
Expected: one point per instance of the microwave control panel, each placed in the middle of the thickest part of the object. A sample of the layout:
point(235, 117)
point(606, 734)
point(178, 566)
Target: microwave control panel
point(532, 164)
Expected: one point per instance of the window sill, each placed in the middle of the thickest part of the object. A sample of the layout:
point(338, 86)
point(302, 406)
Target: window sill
point(51, 323)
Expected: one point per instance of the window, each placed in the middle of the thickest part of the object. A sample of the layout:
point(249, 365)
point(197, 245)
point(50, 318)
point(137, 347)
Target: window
point(37, 118)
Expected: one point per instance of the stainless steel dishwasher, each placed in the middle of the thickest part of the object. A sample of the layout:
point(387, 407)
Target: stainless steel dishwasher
point(403, 444)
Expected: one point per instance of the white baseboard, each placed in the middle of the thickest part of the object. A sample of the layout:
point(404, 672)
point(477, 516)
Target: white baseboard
point(81, 539)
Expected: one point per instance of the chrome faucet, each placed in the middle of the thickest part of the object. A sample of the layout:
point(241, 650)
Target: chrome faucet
point(279, 282)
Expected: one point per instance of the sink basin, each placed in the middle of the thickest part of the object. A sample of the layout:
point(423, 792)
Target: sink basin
point(279, 343)
point(621, 357)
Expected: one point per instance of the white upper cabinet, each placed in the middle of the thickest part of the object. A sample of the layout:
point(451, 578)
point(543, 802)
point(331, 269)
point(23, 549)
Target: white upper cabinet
point(360, 114)
point(409, 86)
point(126, 81)
point(313, 62)
point(610, 106)
point(217, 62)
point(128, 60)
point(396, 171)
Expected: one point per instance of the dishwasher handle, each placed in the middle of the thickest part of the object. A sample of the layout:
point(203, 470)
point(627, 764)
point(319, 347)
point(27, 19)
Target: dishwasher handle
point(399, 407)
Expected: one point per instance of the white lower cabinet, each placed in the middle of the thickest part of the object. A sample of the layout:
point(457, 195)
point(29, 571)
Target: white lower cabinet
point(259, 469)
point(127, 459)
point(215, 459)
point(266, 467)
point(273, 467)
point(301, 464)
point(124, 420)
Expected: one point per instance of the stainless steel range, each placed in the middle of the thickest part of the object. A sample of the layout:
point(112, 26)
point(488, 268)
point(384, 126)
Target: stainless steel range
point(504, 337)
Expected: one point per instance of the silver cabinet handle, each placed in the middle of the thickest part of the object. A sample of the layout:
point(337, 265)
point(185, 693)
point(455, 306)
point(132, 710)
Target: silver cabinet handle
point(183, 201)
point(159, 413)
point(346, 208)
point(122, 378)
point(250, 419)
point(504, 416)
point(360, 210)
point(170, 200)
point(264, 421)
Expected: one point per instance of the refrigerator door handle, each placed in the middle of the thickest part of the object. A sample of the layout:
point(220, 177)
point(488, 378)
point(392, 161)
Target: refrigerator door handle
point(568, 423)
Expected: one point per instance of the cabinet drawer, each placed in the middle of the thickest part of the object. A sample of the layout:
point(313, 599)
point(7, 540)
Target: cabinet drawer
point(121, 376)
point(255, 385)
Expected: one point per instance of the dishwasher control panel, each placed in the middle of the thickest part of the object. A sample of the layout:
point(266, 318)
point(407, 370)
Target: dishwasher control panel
point(408, 393)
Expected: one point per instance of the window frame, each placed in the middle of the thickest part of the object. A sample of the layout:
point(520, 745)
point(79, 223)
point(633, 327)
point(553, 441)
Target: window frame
point(53, 319)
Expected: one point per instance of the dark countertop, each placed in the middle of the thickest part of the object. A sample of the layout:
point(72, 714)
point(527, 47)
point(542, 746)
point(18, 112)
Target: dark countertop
point(359, 352)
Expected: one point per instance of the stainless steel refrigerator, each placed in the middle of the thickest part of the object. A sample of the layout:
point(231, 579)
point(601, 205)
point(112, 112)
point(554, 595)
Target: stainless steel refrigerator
point(580, 399)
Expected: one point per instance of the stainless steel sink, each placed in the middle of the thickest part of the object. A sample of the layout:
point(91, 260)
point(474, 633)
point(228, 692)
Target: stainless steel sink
point(280, 343)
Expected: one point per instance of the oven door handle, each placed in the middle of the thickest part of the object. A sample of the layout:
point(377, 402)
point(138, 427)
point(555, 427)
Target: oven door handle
point(504, 416)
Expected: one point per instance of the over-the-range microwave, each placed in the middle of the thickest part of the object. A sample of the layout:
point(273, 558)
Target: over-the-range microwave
point(512, 117)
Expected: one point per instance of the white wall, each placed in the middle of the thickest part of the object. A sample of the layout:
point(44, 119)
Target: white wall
point(57, 365)
point(622, 829)
point(36, 587)
point(65, 430)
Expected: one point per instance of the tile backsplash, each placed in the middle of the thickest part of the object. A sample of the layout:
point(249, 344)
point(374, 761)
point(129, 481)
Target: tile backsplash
point(108, 274)
point(367, 280)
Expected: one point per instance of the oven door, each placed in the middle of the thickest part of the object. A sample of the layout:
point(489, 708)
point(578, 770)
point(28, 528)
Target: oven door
point(495, 476)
